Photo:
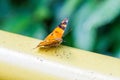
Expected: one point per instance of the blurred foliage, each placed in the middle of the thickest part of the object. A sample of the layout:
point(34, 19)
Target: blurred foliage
point(95, 24)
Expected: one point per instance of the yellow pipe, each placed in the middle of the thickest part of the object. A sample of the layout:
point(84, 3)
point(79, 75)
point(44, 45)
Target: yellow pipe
point(19, 60)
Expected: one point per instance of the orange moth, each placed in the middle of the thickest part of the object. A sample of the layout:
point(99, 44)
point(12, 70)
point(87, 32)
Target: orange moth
point(55, 37)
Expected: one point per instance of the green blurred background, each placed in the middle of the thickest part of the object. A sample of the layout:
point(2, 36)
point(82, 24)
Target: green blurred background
point(94, 25)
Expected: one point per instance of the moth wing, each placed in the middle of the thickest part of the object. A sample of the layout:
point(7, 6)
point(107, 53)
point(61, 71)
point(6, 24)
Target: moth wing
point(55, 37)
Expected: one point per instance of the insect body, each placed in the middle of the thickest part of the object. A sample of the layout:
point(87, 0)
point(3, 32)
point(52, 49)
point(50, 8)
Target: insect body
point(55, 37)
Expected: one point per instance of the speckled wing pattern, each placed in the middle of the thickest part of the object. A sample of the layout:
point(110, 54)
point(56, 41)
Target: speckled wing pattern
point(55, 37)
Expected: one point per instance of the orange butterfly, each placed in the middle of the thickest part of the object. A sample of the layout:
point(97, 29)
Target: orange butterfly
point(54, 38)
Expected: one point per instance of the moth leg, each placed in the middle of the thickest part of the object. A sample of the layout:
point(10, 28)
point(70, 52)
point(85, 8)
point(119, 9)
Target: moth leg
point(59, 39)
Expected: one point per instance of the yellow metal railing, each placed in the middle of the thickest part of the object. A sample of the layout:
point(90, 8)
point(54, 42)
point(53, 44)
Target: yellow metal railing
point(20, 61)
